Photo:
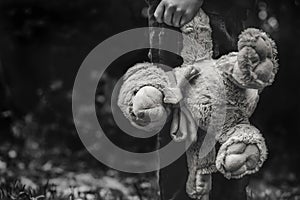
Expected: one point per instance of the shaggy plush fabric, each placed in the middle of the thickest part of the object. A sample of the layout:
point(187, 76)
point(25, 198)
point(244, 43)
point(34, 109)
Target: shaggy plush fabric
point(197, 40)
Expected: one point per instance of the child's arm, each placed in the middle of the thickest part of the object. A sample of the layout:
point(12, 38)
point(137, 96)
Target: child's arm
point(177, 12)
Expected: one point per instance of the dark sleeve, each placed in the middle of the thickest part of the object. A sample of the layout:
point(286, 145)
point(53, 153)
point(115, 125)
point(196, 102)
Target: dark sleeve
point(227, 21)
point(225, 7)
point(248, 4)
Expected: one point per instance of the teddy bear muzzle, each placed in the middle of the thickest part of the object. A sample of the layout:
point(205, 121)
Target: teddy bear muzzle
point(148, 112)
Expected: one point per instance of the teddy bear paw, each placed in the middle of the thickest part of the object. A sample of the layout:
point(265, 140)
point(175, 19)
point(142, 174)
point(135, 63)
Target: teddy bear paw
point(240, 158)
point(256, 62)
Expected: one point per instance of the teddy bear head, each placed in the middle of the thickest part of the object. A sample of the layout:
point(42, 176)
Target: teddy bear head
point(142, 96)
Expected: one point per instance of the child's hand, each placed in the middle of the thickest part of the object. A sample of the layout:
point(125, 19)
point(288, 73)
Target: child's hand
point(177, 12)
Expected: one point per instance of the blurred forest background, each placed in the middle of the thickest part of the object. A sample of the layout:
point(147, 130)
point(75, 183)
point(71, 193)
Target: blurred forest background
point(42, 45)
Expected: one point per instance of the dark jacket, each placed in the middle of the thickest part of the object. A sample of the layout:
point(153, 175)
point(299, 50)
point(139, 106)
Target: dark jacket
point(226, 18)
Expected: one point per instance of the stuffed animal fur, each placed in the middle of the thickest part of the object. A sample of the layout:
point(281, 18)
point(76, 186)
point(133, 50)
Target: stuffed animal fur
point(202, 86)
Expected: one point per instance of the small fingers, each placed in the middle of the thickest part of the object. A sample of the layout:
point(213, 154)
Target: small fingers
point(159, 12)
point(172, 15)
point(177, 18)
point(168, 15)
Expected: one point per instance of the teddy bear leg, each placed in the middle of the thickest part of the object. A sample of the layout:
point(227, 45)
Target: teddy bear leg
point(240, 158)
point(243, 153)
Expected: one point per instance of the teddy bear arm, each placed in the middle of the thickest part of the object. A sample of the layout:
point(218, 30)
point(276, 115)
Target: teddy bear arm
point(256, 64)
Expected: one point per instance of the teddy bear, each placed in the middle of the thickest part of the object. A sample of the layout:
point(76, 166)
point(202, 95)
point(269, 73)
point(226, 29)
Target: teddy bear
point(195, 96)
